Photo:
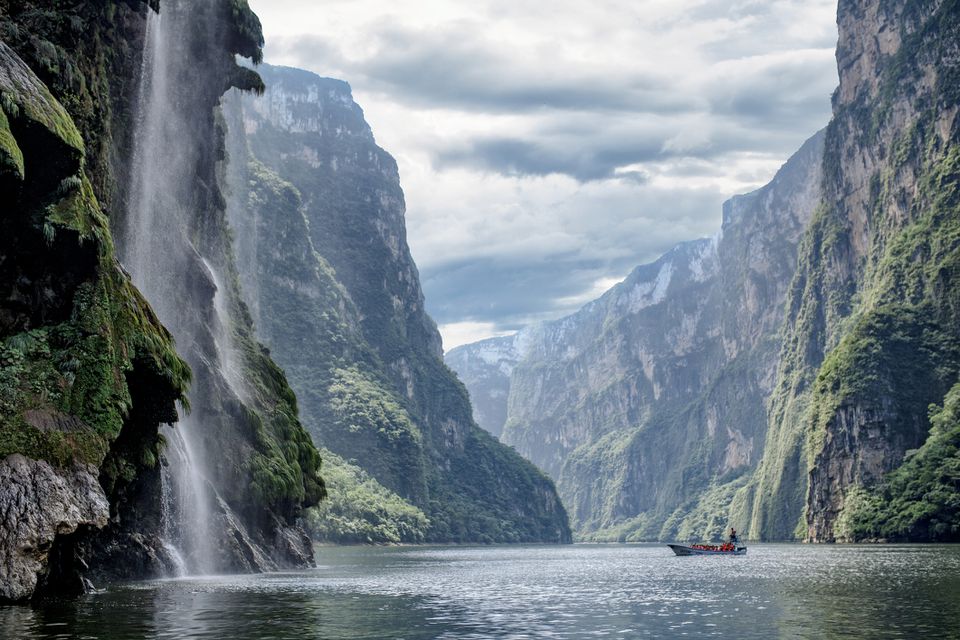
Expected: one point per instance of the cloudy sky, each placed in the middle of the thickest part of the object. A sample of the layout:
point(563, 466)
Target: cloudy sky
point(547, 148)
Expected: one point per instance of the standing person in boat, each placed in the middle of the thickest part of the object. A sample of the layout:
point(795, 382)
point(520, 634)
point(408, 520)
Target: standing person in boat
point(733, 537)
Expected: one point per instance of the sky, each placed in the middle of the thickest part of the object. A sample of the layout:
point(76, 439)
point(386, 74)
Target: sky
point(546, 149)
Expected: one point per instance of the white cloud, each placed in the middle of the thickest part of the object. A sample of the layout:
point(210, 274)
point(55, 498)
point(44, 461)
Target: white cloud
point(545, 151)
point(456, 334)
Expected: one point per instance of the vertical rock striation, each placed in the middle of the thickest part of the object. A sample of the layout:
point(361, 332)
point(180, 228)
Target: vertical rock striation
point(872, 337)
point(87, 373)
point(241, 467)
point(648, 405)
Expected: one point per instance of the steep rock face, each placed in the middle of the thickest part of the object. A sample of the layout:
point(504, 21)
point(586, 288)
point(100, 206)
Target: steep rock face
point(872, 338)
point(485, 368)
point(39, 503)
point(918, 500)
point(655, 393)
point(87, 373)
point(590, 387)
point(246, 464)
point(349, 325)
point(313, 329)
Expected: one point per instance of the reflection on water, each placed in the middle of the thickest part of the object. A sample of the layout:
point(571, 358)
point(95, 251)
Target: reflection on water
point(642, 591)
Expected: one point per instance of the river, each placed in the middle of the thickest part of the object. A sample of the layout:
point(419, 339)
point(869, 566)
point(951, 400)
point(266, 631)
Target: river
point(579, 591)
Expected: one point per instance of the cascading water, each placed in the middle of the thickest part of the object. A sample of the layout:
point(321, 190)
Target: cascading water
point(229, 359)
point(170, 530)
point(157, 245)
point(187, 508)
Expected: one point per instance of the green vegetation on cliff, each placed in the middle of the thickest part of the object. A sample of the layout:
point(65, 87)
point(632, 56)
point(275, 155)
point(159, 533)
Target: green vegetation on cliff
point(284, 467)
point(87, 371)
point(81, 52)
point(73, 327)
point(873, 339)
point(293, 292)
point(919, 501)
point(317, 216)
point(246, 33)
point(649, 404)
point(360, 510)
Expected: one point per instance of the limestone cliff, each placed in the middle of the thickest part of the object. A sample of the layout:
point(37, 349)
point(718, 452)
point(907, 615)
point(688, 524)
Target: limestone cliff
point(241, 466)
point(335, 294)
point(654, 395)
point(485, 367)
point(854, 419)
point(872, 338)
point(86, 369)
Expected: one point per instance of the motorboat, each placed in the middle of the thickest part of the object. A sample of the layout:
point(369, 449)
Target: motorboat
point(732, 547)
point(725, 549)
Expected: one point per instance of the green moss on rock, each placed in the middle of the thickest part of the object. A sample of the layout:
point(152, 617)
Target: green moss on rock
point(247, 37)
point(34, 102)
point(64, 392)
point(11, 158)
point(876, 304)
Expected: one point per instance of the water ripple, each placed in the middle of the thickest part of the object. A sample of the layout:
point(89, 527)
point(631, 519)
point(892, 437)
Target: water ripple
point(596, 591)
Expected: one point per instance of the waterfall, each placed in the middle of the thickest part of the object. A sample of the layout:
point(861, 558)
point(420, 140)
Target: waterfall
point(158, 245)
point(187, 504)
point(170, 529)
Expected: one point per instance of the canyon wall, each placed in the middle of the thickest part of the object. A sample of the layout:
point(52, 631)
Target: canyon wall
point(802, 387)
point(334, 292)
point(91, 372)
point(648, 404)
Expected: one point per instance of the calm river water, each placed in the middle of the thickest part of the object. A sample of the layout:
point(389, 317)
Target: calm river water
point(616, 591)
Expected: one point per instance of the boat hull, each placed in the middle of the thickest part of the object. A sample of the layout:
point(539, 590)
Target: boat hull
point(683, 550)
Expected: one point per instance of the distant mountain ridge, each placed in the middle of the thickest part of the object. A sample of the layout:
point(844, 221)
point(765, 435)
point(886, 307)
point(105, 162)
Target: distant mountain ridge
point(604, 398)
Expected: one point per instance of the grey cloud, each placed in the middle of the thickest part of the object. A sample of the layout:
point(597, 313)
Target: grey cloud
point(511, 290)
point(750, 85)
point(508, 294)
point(763, 23)
point(512, 293)
point(585, 124)
point(597, 154)
point(452, 67)
point(534, 158)
point(788, 94)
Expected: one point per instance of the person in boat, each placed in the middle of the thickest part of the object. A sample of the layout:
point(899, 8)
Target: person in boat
point(733, 537)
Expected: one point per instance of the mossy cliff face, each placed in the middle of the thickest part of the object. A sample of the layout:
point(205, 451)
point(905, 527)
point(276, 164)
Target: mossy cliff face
point(873, 335)
point(257, 465)
point(337, 298)
point(648, 404)
point(918, 500)
point(87, 373)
